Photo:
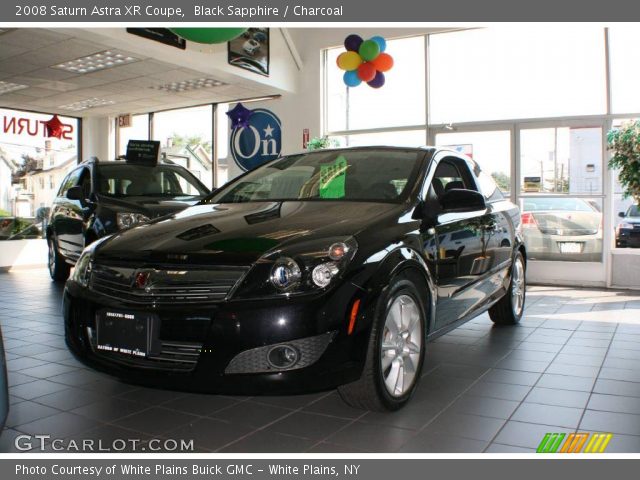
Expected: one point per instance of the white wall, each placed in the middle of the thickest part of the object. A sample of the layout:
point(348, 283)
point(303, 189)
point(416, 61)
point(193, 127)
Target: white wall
point(97, 138)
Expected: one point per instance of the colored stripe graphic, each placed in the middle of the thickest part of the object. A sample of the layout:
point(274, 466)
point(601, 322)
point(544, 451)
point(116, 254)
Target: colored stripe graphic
point(574, 443)
point(550, 443)
point(598, 442)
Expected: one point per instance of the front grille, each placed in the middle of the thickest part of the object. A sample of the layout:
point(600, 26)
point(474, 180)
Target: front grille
point(165, 285)
point(174, 356)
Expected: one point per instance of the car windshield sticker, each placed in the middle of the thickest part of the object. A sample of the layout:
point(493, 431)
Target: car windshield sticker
point(332, 178)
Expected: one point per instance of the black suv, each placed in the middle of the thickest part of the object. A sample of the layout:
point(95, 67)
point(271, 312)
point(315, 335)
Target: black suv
point(101, 198)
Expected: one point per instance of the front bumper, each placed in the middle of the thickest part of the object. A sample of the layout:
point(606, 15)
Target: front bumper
point(220, 347)
point(626, 237)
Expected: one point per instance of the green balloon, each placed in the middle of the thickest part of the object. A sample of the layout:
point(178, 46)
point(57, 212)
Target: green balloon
point(209, 35)
point(369, 50)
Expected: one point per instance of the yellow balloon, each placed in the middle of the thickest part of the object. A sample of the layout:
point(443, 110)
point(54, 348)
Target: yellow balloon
point(349, 60)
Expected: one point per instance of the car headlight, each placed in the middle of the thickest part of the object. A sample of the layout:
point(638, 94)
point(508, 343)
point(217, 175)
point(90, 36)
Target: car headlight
point(301, 268)
point(129, 219)
point(82, 271)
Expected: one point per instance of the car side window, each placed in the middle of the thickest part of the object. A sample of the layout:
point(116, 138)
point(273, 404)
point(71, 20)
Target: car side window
point(69, 181)
point(85, 182)
point(450, 173)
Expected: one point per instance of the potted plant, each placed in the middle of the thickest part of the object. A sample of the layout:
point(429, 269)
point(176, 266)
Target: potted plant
point(319, 143)
point(624, 142)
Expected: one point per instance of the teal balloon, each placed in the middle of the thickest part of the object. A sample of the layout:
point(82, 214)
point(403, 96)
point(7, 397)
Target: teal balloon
point(382, 43)
point(351, 78)
point(369, 50)
point(209, 35)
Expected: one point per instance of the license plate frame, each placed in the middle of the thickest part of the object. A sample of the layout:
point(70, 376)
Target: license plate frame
point(570, 247)
point(126, 333)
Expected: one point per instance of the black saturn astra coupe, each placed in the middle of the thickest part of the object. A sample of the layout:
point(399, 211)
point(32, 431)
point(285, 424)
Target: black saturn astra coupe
point(314, 271)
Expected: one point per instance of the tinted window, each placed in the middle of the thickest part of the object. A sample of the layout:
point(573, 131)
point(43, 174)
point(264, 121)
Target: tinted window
point(122, 180)
point(451, 173)
point(69, 181)
point(488, 187)
point(354, 175)
point(634, 211)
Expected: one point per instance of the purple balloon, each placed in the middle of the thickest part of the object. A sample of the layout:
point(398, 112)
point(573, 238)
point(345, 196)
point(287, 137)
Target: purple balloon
point(352, 42)
point(377, 81)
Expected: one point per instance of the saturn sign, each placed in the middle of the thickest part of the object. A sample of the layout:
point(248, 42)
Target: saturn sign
point(259, 142)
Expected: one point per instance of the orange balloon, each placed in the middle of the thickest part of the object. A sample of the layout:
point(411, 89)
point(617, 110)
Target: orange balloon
point(383, 62)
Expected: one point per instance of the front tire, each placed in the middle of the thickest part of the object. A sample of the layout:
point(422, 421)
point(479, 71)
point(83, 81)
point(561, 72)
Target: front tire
point(509, 309)
point(396, 350)
point(58, 268)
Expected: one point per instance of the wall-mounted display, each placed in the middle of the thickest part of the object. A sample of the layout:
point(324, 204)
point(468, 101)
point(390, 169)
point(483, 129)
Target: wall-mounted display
point(251, 51)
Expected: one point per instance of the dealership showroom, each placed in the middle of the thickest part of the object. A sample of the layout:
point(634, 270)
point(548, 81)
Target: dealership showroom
point(550, 115)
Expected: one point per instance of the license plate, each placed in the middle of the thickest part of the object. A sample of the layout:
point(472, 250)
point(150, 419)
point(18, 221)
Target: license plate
point(570, 247)
point(124, 333)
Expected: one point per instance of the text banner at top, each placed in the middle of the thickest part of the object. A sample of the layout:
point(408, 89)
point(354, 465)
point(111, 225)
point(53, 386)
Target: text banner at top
point(271, 11)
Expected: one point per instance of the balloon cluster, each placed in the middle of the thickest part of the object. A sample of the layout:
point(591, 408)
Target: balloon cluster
point(364, 61)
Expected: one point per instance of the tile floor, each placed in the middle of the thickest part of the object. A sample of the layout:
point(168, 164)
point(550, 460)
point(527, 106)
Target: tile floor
point(572, 364)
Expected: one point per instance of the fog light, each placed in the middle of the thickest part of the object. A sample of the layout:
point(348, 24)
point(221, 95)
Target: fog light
point(323, 274)
point(283, 356)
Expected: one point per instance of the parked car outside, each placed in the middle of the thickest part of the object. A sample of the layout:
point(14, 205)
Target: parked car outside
point(314, 271)
point(628, 230)
point(558, 228)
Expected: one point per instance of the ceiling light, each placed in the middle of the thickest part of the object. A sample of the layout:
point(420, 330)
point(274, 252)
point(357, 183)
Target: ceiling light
point(97, 61)
point(6, 87)
point(86, 104)
point(186, 85)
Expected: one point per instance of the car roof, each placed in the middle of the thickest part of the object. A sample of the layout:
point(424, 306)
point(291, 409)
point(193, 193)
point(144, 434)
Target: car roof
point(425, 148)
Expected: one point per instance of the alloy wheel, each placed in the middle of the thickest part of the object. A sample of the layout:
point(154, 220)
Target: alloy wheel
point(402, 342)
point(517, 286)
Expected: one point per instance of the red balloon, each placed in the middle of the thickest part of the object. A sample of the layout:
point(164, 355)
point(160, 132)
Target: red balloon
point(383, 62)
point(366, 72)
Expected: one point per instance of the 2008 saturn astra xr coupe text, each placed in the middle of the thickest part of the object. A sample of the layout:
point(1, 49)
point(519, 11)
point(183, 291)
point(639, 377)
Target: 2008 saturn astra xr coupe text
point(314, 271)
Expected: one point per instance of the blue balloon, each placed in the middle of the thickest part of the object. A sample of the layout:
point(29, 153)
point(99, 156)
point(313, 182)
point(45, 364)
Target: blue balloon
point(382, 43)
point(351, 78)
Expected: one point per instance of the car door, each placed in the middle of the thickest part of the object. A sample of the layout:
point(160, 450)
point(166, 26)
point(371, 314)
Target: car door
point(462, 248)
point(61, 221)
point(71, 227)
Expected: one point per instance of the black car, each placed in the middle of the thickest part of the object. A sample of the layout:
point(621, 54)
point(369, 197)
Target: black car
point(628, 230)
point(4, 386)
point(314, 271)
point(101, 198)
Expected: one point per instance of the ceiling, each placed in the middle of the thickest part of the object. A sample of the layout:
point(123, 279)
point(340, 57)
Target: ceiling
point(28, 55)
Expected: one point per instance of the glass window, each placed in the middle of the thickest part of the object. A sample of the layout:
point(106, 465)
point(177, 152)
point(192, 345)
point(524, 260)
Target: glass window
point(186, 138)
point(400, 102)
point(503, 73)
point(562, 228)
point(561, 160)
point(70, 181)
point(491, 150)
point(405, 138)
point(625, 68)
point(365, 175)
point(139, 130)
point(123, 180)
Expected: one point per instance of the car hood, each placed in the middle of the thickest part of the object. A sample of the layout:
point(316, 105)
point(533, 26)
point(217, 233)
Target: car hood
point(239, 234)
point(634, 220)
point(152, 207)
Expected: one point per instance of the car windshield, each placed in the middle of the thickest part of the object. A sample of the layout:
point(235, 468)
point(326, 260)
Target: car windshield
point(634, 211)
point(344, 175)
point(125, 180)
point(565, 204)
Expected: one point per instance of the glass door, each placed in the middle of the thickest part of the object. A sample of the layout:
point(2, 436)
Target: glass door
point(560, 176)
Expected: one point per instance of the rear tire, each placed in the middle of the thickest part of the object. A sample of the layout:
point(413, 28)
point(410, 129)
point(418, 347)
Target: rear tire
point(396, 350)
point(509, 309)
point(59, 269)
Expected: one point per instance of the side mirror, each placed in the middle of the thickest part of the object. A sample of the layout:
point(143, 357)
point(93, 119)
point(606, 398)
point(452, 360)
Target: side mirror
point(621, 214)
point(75, 193)
point(462, 200)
